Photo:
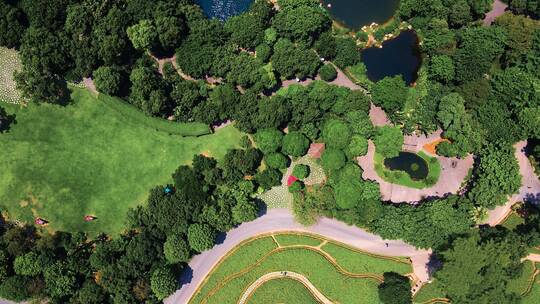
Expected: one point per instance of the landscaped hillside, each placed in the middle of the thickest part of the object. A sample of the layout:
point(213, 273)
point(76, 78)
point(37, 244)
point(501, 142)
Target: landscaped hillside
point(96, 157)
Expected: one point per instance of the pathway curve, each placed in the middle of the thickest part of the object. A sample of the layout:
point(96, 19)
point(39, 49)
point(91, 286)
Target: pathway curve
point(529, 190)
point(497, 10)
point(276, 220)
point(341, 80)
point(453, 172)
point(284, 275)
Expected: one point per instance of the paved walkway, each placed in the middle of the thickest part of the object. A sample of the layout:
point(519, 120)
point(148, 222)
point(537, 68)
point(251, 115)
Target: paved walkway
point(497, 10)
point(284, 275)
point(378, 117)
point(453, 172)
point(276, 220)
point(341, 80)
point(529, 191)
point(89, 84)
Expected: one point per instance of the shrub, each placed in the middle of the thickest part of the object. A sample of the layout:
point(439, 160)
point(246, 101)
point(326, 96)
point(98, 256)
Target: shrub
point(357, 147)
point(108, 80)
point(276, 161)
point(15, 288)
point(333, 159)
point(268, 140)
point(269, 178)
point(201, 237)
point(430, 180)
point(336, 134)
point(395, 289)
point(362, 36)
point(176, 249)
point(263, 51)
point(295, 187)
point(27, 264)
point(301, 171)
point(388, 141)
point(295, 144)
point(163, 283)
point(328, 72)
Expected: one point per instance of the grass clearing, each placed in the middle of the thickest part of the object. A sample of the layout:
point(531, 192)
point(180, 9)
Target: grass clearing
point(402, 178)
point(297, 239)
point(228, 281)
point(533, 296)
point(429, 291)
point(95, 156)
point(282, 291)
point(9, 63)
point(512, 221)
point(520, 285)
point(348, 259)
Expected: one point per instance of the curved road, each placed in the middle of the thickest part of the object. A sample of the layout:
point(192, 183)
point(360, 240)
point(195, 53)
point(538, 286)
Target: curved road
point(281, 275)
point(283, 220)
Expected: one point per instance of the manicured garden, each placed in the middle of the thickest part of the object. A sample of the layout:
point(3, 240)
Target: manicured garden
point(97, 156)
point(403, 178)
point(282, 291)
point(355, 275)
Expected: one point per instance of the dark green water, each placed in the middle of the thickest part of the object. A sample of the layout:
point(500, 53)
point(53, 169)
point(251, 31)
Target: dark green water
point(223, 9)
point(356, 13)
point(414, 165)
point(399, 56)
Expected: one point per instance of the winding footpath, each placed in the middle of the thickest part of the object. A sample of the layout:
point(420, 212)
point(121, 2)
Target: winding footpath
point(276, 220)
point(284, 275)
point(528, 192)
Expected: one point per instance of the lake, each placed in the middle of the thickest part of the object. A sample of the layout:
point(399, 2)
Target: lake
point(223, 9)
point(398, 56)
point(414, 165)
point(356, 13)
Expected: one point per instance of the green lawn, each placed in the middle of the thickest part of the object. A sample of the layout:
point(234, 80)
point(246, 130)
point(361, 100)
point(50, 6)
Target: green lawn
point(251, 260)
point(96, 156)
point(513, 221)
point(402, 178)
point(429, 291)
point(282, 291)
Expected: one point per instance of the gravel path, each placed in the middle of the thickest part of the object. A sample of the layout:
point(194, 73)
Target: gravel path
point(529, 191)
point(276, 220)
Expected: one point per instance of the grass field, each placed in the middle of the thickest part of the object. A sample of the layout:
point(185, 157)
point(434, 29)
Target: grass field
point(404, 179)
point(95, 156)
point(355, 276)
point(282, 291)
point(428, 292)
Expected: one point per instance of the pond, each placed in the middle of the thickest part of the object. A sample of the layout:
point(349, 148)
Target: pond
point(414, 165)
point(398, 56)
point(356, 13)
point(223, 9)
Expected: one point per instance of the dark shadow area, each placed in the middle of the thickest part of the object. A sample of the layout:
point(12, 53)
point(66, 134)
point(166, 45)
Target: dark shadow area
point(220, 238)
point(532, 198)
point(433, 265)
point(186, 276)
point(6, 121)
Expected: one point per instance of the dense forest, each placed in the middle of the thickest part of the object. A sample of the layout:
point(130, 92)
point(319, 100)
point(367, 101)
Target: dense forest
point(479, 84)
